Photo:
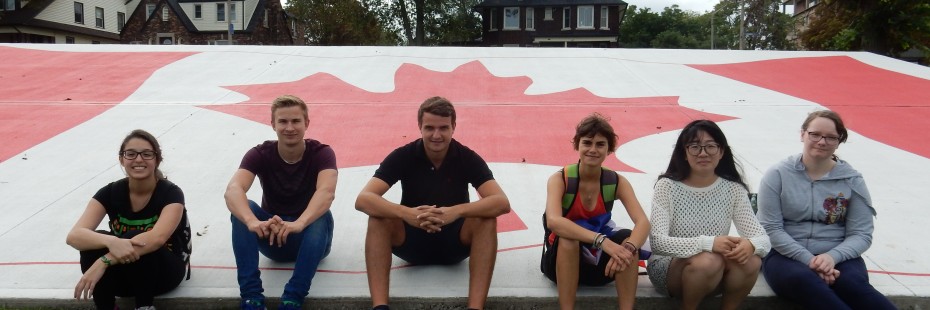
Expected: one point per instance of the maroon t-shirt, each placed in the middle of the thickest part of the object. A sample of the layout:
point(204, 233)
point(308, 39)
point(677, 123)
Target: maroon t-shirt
point(287, 188)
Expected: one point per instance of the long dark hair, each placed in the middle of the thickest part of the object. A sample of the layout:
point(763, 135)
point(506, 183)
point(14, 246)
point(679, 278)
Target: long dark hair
point(678, 167)
point(145, 135)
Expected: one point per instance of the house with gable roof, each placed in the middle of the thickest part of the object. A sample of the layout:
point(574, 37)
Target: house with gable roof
point(62, 21)
point(254, 22)
point(551, 23)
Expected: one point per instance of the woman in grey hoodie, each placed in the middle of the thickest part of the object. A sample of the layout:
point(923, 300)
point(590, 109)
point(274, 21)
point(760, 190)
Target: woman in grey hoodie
point(818, 214)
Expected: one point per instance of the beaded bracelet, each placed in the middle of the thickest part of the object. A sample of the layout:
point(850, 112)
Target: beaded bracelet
point(106, 261)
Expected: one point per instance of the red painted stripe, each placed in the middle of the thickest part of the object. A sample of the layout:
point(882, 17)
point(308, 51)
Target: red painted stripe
point(884, 105)
point(895, 273)
point(45, 93)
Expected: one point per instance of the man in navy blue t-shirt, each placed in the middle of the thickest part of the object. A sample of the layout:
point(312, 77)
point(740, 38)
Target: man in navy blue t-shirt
point(435, 222)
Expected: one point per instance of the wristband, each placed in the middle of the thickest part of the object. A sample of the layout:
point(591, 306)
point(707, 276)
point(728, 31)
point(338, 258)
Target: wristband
point(631, 247)
point(106, 261)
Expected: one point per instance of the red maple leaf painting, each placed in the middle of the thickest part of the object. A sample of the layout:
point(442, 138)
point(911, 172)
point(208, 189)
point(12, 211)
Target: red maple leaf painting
point(883, 105)
point(494, 115)
point(46, 93)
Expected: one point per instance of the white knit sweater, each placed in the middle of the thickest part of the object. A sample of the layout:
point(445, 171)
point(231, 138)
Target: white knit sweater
point(686, 219)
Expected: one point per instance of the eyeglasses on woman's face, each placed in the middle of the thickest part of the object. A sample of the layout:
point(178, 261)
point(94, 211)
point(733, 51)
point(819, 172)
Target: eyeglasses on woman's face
point(816, 137)
point(695, 149)
point(132, 154)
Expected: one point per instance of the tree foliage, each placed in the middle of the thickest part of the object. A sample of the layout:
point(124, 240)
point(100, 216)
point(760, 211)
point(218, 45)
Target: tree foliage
point(343, 22)
point(887, 27)
point(437, 22)
point(765, 27)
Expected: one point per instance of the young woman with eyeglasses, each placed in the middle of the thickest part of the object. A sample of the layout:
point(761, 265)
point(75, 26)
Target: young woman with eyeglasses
point(818, 213)
point(693, 205)
point(145, 251)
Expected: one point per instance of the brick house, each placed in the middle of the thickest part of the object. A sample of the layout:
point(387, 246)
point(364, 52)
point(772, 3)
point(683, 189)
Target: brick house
point(551, 23)
point(254, 22)
point(62, 21)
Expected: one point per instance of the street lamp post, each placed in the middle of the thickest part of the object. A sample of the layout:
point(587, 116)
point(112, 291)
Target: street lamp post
point(229, 30)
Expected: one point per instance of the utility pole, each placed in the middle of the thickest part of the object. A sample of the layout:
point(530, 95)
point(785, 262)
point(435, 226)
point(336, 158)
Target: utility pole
point(742, 21)
point(229, 32)
point(712, 13)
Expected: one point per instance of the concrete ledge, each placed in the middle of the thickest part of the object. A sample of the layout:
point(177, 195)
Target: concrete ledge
point(510, 303)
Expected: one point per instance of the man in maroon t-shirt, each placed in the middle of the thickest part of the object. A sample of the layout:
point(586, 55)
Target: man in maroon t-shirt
point(436, 222)
point(293, 224)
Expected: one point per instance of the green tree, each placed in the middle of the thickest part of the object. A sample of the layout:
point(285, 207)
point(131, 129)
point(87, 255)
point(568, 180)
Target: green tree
point(437, 22)
point(765, 27)
point(672, 28)
point(342, 22)
point(887, 27)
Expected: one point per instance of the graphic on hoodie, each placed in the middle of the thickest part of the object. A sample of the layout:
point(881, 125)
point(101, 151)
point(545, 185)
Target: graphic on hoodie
point(835, 208)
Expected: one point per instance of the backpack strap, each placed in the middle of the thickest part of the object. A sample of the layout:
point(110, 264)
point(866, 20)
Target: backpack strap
point(609, 180)
point(570, 179)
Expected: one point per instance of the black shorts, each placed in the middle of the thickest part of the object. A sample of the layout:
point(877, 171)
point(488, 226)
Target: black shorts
point(587, 274)
point(441, 248)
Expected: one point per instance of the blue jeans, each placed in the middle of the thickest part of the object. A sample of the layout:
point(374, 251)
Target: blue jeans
point(307, 249)
point(796, 282)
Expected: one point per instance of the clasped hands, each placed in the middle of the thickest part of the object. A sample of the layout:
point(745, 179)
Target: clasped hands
point(121, 251)
point(275, 230)
point(733, 248)
point(621, 257)
point(430, 218)
point(823, 265)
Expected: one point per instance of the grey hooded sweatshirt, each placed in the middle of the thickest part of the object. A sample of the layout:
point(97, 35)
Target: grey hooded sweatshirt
point(804, 218)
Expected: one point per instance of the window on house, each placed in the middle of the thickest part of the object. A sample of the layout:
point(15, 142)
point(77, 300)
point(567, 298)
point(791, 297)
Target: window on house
point(604, 19)
point(586, 17)
point(530, 18)
point(493, 19)
point(149, 9)
point(78, 12)
point(232, 12)
point(69, 40)
point(548, 15)
point(221, 12)
point(198, 11)
point(164, 13)
point(7, 5)
point(120, 21)
point(265, 19)
point(98, 17)
point(511, 18)
point(566, 18)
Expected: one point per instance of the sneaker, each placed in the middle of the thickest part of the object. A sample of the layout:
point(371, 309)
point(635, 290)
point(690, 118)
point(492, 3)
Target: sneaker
point(381, 307)
point(290, 305)
point(252, 304)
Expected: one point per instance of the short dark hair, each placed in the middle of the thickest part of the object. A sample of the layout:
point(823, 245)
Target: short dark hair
point(286, 101)
point(593, 125)
point(830, 115)
point(145, 135)
point(437, 106)
point(678, 167)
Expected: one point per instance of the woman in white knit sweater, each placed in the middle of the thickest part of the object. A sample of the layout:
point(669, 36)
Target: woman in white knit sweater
point(693, 204)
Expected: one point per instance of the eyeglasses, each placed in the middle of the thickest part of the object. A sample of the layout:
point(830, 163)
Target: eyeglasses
point(130, 154)
point(710, 149)
point(816, 137)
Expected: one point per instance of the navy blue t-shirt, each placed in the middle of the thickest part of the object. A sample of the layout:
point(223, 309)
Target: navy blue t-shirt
point(422, 184)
